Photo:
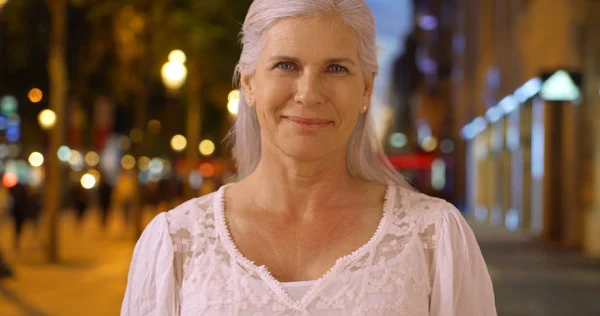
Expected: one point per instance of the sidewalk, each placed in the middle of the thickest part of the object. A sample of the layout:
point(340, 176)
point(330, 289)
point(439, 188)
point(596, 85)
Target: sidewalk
point(89, 280)
point(534, 279)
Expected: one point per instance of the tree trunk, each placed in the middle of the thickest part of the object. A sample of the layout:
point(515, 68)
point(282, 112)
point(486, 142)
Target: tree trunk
point(193, 122)
point(57, 71)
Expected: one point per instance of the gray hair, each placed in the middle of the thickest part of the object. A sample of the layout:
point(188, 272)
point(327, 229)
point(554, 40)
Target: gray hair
point(365, 158)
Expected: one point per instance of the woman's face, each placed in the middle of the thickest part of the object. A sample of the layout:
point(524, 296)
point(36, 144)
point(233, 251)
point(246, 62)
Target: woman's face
point(308, 87)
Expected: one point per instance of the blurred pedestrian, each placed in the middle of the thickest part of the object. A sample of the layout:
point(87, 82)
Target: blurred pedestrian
point(105, 199)
point(5, 270)
point(19, 211)
point(34, 206)
point(5, 203)
point(126, 195)
point(80, 202)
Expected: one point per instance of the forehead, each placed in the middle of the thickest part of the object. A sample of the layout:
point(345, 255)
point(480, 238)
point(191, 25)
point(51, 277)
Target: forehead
point(323, 35)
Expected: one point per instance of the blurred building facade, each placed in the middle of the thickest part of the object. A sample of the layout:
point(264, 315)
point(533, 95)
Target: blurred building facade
point(531, 164)
point(420, 140)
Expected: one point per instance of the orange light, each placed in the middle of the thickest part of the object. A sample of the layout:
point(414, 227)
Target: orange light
point(10, 179)
point(35, 95)
point(207, 170)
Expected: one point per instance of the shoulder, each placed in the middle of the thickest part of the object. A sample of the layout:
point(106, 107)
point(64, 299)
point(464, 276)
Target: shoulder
point(192, 211)
point(409, 202)
point(191, 223)
point(432, 217)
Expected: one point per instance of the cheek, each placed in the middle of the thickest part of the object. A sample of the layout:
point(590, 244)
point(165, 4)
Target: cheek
point(274, 93)
point(348, 104)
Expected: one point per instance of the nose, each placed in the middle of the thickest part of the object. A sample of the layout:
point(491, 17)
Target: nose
point(310, 90)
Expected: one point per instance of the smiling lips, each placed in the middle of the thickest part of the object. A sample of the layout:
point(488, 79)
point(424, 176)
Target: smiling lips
point(307, 122)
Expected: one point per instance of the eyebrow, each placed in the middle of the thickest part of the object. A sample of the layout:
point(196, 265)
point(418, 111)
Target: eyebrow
point(328, 61)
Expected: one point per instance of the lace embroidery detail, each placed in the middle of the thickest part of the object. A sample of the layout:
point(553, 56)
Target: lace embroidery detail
point(389, 275)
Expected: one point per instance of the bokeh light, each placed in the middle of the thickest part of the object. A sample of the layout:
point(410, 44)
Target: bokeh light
point(3, 151)
point(64, 153)
point(95, 173)
point(136, 135)
point(47, 119)
point(429, 144)
point(447, 146)
point(177, 56)
point(398, 140)
point(143, 163)
point(75, 157)
point(234, 94)
point(35, 95)
point(154, 126)
point(207, 170)
point(128, 162)
point(88, 181)
point(8, 105)
point(144, 177)
point(36, 177)
point(76, 160)
point(36, 159)
point(124, 143)
point(10, 179)
point(173, 74)
point(233, 102)
point(3, 122)
point(438, 174)
point(233, 106)
point(92, 159)
point(178, 143)
point(195, 180)
point(156, 166)
point(206, 147)
point(13, 129)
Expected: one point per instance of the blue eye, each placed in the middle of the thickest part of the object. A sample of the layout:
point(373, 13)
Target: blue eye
point(285, 66)
point(337, 69)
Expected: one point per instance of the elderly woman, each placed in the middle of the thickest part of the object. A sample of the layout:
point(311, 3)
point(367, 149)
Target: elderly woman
point(319, 223)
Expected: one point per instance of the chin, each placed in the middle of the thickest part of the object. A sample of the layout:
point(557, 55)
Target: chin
point(307, 150)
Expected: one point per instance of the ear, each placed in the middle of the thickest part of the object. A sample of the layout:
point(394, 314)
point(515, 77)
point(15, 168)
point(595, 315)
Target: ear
point(246, 83)
point(368, 92)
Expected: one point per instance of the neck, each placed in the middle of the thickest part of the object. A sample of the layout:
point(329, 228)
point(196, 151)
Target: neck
point(301, 190)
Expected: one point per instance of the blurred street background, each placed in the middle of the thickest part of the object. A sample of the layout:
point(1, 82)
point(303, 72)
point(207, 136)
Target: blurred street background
point(112, 111)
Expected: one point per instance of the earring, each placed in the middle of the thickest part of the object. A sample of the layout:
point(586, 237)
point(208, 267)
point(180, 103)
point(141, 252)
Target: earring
point(364, 109)
point(250, 102)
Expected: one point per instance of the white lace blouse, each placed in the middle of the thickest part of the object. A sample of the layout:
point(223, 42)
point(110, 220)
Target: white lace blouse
point(422, 260)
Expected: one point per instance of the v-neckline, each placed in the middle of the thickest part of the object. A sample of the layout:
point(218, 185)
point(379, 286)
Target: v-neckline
point(263, 272)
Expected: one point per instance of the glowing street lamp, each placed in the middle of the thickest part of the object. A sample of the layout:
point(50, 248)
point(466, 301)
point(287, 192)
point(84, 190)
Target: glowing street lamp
point(178, 143)
point(233, 102)
point(36, 159)
point(47, 119)
point(88, 181)
point(206, 147)
point(35, 95)
point(177, 56)
point(174, 72)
